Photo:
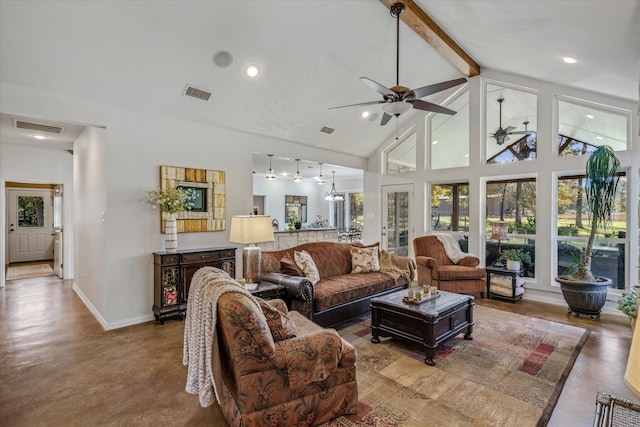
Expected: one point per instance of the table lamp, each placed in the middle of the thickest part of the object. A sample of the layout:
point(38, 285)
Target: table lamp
point(251, 229)
point(499, 231)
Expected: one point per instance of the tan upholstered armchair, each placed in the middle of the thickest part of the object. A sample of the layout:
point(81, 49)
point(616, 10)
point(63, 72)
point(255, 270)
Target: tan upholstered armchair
point(436, 269)
point(271, 378)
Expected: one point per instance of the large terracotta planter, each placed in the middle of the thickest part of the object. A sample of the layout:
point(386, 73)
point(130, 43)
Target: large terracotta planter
point(584, 297)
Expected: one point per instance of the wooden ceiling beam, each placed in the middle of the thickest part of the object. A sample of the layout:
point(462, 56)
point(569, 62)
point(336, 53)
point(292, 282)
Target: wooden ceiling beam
point(418, 20)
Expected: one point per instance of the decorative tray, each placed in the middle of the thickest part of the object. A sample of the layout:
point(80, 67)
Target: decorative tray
point(420, 301)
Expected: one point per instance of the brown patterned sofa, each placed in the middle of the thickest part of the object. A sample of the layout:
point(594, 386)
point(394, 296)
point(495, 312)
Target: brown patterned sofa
point(339, 295)
point(436, 269)
point(271, 378)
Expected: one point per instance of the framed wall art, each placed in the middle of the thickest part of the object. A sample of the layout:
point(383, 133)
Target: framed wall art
point(207, 189)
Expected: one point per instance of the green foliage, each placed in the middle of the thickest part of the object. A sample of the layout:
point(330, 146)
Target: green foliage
point(172, 200)
point(628, 303)
point(516, 255)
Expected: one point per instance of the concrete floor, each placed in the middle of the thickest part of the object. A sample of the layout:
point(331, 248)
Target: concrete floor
point(58, 367)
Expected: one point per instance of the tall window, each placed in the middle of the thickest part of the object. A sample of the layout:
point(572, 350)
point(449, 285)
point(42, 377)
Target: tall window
point(511, 123)
point(582, 128)
point(349, 212)
point(402, 157)
point(513, 202)
point(449, 135)
point(450, 207)
point(574, 225)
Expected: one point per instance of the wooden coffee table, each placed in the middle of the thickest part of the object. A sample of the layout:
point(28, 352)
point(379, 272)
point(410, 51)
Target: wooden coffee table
point(426, 325)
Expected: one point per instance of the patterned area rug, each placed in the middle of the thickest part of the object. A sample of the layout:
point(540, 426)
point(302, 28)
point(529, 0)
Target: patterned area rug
point(29, 271)
point(510, 374)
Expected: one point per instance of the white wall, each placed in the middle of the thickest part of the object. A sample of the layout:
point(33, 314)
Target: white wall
point(115, 166)
point(38, 165)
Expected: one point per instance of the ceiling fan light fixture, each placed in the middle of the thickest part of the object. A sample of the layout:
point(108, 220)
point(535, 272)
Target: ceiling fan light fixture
point(396, 108)
point(270, 175)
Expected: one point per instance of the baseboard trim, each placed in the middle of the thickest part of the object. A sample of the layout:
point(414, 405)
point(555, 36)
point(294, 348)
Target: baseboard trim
point(107, 326)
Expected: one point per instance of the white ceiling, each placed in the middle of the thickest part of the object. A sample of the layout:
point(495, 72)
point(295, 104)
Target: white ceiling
point(142, 55)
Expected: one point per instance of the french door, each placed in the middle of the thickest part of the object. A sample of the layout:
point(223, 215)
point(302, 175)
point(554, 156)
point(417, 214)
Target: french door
point(397, 201)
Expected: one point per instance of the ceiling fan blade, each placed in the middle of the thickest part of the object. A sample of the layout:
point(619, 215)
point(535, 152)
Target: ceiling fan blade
point(362, 103)
point(428, 106)
point(421, 92)
point(385, 119)
point(508, 129)
point(523, 132)
point(377, 87)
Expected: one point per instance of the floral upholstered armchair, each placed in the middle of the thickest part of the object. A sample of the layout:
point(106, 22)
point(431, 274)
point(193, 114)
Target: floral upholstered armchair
point(279, 368)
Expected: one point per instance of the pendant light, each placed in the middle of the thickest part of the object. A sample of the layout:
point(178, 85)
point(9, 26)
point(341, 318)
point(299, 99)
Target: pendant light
point(320, 178)
point(297, 177)
point(270, 175)
point(333, 195)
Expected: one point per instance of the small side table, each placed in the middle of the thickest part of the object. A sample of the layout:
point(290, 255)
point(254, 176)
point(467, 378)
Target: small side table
point(268, 290)
point(502, 271)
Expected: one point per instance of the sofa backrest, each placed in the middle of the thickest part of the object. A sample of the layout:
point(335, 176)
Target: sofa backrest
point(331, 258)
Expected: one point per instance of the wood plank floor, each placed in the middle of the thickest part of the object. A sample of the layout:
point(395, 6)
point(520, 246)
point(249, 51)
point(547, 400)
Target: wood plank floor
point(59, 368)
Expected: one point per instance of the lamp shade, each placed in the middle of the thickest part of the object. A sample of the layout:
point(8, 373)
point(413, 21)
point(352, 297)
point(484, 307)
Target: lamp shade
point(499, 231)
point(250, 229)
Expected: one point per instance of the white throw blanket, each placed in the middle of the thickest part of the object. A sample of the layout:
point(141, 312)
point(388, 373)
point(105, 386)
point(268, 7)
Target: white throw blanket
point(451, 247)
point(201, 352)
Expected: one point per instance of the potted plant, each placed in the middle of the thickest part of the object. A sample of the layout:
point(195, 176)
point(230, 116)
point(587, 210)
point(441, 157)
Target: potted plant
point(170, 201)
point(583, 292)
point(515, 257)
point(628, 304)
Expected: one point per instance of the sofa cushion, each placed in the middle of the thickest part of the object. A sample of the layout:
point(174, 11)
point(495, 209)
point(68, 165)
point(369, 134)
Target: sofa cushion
point(458, 272)
point(364, 260)
point(307, 265)
point(280, 324)
point(289, 266)
point(337, 290)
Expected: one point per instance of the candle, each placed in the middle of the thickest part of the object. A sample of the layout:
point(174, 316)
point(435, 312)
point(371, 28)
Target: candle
point(255, 210)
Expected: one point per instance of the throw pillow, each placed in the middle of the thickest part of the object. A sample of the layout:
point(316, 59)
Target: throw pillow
point(280, 324)
point(364, 260)
point(308, 267)
point(289, 266)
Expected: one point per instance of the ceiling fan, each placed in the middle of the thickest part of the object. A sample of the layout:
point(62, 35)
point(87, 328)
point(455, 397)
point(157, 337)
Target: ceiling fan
point(400, 99)
point(502, 135)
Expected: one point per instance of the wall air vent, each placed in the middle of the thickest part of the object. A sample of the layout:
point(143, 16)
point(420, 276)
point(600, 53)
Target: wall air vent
point(38, 127)
point(197, 93)
point(327, 130)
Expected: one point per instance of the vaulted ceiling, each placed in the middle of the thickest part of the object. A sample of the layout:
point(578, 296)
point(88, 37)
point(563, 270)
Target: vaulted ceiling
point(142, 55)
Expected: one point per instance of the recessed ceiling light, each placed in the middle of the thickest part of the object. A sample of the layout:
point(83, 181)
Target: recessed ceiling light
point(466, 155)
point(598, 137)
point(39, 137)
point(434, 142)
point(252, 70)
point(589, 116)
point(364, 114)
point(569, 59)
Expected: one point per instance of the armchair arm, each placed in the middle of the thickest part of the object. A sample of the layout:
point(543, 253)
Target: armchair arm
point(313, 357)
point(469, 261)
point(427, 261)
point(299, 289)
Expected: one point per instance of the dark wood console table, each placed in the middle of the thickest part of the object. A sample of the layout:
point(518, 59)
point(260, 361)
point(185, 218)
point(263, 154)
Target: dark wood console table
point(172, 273)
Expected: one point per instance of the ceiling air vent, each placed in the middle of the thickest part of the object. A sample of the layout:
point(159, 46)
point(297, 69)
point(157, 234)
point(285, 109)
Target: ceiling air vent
point(327, 130)
point(197, 93)
point(38, 127)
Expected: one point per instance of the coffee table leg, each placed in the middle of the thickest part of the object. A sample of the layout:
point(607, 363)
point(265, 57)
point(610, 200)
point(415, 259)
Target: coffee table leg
point(374, 336)
point(431, 355)
point(469, 334)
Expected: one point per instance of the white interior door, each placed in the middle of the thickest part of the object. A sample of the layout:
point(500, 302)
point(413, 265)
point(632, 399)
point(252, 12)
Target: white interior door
point(57, 230)
point(397, 201)
point(30, 224)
